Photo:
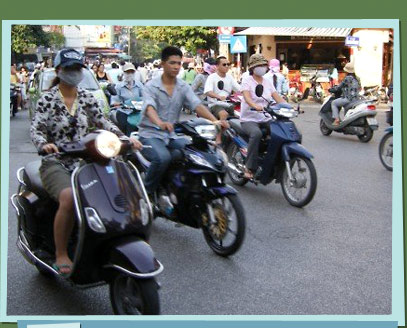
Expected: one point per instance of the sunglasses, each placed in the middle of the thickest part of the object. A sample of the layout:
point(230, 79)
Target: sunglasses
point(73, 122)
point(226, 64)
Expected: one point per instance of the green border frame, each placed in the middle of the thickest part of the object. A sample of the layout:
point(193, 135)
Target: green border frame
point(295, 9)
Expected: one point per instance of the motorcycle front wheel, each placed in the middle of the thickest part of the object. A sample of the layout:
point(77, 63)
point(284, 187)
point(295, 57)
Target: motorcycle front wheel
point(386, 151)
point(130, 296)
point(301, 189)
point(236, 158)
point(225, 232)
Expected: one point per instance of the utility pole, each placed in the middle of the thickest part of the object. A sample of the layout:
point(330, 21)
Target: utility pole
point(129, 40)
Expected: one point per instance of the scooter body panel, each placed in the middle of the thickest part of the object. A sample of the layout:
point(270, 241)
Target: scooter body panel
point(294, 148)
point(134, 255)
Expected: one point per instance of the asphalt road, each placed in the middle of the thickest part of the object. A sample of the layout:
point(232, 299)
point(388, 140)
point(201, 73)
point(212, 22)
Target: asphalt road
point(332, 257)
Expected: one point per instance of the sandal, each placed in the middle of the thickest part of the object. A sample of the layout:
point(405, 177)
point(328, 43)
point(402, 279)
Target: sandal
point(248, 175)
point(62, 266)
point(336, 122)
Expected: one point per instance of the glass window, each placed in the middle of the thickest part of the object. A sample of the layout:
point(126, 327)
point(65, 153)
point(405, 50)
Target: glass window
point(89, 82)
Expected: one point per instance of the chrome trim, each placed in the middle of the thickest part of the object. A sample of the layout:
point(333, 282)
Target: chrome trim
point(35, 258)
point(142, 159)
point(14, 205)
point(140, 180)
point(78, 250)
point(136, 274)
point(19, 178)
point(290, 175)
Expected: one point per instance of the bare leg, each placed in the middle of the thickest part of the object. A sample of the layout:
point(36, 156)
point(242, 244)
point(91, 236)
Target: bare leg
point(63, 226)
point(223, 115)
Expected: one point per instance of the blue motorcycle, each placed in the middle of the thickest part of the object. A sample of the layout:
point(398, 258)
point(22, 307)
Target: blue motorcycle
point(281, 156)
point(386, 144)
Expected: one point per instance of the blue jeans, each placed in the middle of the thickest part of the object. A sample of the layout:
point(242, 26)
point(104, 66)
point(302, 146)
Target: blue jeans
point(337, 104)
point(160, 156)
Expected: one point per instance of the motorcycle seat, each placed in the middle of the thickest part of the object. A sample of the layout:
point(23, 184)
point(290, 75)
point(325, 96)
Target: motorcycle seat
point(33, 180)
point(176, 155)
point(236, 125)
point(353, 103)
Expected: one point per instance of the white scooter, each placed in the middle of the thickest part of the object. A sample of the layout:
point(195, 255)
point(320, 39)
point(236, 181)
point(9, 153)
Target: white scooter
point(359, 117)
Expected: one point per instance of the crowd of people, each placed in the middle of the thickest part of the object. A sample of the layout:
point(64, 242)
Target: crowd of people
point(166, 87)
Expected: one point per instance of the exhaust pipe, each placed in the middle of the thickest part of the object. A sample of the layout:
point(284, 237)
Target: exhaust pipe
point(233, 168)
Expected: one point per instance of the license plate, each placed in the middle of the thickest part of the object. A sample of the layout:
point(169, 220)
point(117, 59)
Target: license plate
point(371, 121)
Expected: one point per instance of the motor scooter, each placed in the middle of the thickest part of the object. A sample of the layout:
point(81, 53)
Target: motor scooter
point(359, 117)
point(193, 191)
point(386, 143)
point(14, 91)
point(127, 116)
point(281, 156)
point(113, 218)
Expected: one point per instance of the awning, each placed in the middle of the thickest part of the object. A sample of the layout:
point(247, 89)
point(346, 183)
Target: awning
point(298, 31)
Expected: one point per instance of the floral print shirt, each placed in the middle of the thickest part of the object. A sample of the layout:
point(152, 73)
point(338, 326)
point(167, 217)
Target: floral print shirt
point(350, 88)
point(52, 122)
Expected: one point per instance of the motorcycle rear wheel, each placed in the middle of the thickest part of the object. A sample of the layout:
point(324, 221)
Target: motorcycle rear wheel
point(218, 233)
point(386, 151)
point(130, 296)
point(367, 136)
point(324, 129)
point(300, 181)
point(235, 157)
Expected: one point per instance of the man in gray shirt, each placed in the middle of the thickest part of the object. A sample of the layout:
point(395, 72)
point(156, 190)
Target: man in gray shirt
point(164, 98)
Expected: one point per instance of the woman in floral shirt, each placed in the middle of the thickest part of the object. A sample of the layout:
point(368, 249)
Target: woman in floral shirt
point(350, 91)
point(63, 114)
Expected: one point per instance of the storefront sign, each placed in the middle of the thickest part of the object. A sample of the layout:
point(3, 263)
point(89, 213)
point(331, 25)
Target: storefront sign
point(224, 38)
point(352, 41)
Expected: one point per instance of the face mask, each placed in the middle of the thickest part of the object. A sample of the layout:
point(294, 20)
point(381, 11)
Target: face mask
point(72, 78)
point(260, 71)
point(129, 77)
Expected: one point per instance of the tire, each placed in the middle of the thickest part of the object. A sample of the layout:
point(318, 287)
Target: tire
point(216, 234)
point(386, 151)
point(300, 181)
point(367, 136)
point(324, 129)
point(236, 158)
point(125, 291)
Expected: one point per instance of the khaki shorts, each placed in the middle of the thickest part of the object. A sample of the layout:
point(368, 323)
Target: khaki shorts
point(216, 109)
point(55, 177)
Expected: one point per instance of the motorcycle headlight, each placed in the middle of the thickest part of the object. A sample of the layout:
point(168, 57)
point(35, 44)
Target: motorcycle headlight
point(199, 160)
point(108, 144)
point(207, 131)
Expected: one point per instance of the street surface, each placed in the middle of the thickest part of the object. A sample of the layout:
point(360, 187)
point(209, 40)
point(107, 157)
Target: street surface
point(332, 257)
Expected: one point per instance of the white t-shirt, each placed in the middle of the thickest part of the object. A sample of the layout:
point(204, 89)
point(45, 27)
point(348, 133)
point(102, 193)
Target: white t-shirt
point(229, 85)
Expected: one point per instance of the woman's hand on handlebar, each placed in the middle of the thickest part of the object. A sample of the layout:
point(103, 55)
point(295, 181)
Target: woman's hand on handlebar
point(50, 148)
point(223, 124)
point(259, 108)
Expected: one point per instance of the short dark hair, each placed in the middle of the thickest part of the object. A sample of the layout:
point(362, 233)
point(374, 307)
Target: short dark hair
point(122, 63)
point(219, 59)
point(170, 51)
point(114, 65)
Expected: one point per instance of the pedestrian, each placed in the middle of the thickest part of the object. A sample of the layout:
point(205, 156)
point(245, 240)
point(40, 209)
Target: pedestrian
point(101, 75)
point(278, 79)
point(350, 87)
point(189, 73)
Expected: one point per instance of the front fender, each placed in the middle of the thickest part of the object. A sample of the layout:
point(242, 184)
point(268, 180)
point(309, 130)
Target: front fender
point(220, 191)
point(133, 256)
point(294, 148)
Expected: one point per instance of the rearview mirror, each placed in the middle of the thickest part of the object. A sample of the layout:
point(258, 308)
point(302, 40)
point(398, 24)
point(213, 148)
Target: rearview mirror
point(259, 90)
point(220, 85)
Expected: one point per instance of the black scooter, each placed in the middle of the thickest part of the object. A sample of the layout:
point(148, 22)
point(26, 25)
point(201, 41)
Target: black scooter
point(113, 221)
point(359, 117)
point(193, 191)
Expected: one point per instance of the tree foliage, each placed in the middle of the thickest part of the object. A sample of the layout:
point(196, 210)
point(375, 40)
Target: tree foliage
point(189, 37)
point(24, 37)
